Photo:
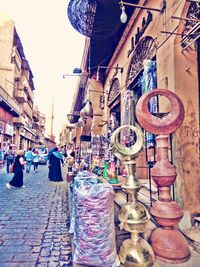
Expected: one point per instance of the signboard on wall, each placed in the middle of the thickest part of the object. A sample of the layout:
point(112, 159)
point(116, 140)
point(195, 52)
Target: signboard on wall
point(22, 131)
point(9, 129)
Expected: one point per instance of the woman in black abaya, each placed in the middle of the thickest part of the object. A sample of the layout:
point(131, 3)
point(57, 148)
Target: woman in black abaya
point(17, 180)
point(55, 160)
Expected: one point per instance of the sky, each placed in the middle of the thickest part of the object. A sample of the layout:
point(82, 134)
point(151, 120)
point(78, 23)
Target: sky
point(52, 47)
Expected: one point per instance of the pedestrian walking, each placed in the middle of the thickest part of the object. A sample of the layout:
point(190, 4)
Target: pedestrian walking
point(35, 160)
point(29, 159)
point(17, 180)
point(9, 157)
point(55, 160)
point(51, 151)
point(70, 151)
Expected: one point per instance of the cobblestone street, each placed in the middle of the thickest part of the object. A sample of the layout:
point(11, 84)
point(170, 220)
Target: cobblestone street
point(34, 222)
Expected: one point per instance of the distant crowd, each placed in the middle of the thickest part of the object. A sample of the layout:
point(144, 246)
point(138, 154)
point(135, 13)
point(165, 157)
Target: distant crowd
point(17, 161)
point(31, 156)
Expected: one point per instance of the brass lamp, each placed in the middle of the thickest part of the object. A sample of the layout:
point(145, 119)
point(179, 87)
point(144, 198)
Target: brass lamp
point(167, 242)
point(133, 216)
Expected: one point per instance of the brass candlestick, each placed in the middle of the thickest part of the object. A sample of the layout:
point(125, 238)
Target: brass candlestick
point(167, 242)
point(133, 216)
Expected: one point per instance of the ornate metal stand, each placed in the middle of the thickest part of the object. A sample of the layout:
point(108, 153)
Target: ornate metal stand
point(133, 215)
point(168, 243)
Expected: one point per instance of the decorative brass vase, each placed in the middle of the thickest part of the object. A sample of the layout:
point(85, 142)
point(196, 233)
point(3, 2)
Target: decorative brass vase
point(168, 243)
point(133, 216)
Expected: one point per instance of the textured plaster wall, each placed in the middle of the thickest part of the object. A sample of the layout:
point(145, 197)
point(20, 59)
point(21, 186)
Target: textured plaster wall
point(186, 152)
point(6, 44)
point(177, 72)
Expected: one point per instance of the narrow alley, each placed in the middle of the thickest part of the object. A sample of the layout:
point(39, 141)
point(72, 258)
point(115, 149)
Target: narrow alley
point(34, 222)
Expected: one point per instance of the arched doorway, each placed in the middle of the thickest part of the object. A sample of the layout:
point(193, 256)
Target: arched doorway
point(141, 77)
point(143, 54)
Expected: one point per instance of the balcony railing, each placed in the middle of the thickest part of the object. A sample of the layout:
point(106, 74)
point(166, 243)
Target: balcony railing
point(36, 115)
point(35, 126)
point(20, 95)
point(42, 123)
point(25, 84)
point(16, 59)
point(28, 110)
point(4, 96)
point(25, 73)
point(19, 121)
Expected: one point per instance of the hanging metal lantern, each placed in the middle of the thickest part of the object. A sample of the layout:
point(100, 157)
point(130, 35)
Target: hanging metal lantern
point(81, 122)
point(82, 115)
point(81, 14)
point(88, 110)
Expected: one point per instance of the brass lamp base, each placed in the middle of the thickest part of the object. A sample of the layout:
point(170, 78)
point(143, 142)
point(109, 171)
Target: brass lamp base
point(136, 254)
point(133, 217)
point(169, 245)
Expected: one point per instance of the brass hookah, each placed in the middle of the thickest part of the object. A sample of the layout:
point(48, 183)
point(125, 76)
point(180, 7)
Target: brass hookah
point(133, 216)
point(168, 243)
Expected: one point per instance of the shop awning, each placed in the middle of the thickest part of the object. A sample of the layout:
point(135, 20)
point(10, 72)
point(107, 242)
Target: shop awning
point(99, 20)
point(5, 103)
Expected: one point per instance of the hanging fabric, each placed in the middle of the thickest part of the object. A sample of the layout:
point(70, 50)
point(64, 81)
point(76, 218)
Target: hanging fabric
point(148, 82)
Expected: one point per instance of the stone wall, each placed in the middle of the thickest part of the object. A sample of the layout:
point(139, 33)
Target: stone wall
point(177, 72)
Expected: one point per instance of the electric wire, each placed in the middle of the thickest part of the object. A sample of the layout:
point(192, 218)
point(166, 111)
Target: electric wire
point(127, 62)
point(165, 40)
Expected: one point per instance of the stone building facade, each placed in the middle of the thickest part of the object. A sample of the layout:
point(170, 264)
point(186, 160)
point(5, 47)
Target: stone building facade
point(19, 119)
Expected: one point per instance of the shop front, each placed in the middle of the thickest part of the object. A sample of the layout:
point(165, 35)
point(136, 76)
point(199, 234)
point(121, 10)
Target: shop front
point(153, 57)
point(6, 129)
point(157, 52)
point(24, 138)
